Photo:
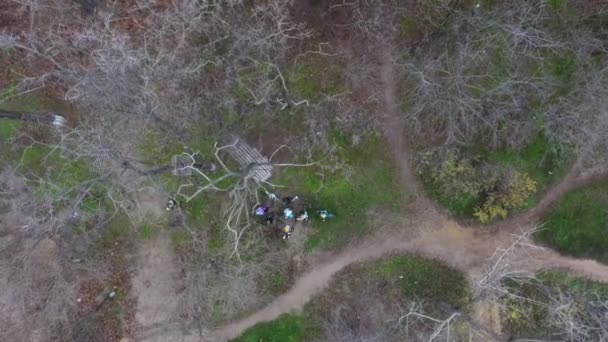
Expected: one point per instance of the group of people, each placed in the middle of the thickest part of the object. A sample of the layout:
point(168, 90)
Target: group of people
point(280, 213)
point(285, 213)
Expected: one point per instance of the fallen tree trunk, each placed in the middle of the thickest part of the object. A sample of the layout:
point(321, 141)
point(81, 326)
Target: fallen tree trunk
point(44, 118)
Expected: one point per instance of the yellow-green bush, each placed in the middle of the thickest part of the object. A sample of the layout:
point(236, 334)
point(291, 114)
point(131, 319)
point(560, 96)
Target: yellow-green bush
point(498, 203)
point(456, 180)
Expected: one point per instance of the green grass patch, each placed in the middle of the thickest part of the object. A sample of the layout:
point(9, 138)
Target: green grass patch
point(63, 175)
point(560, 67)
point(276, 282)
point(97, 200)
point(539, 159)
point(9, 100)
point(118, 229)
point(301, 81)
point(67, 182)
point(216, 238)
point(577, 225)
point(198, 209)
point(205, 146)
point(416, 277)
point(180, 238)
point(204, 212)
point(577, 285)
point(461, 205)
point(555, 4)
point(157, 149)
point(146, 231)
point(8, 129)
point(315, 77)
point(364, 181)
point(286, 328)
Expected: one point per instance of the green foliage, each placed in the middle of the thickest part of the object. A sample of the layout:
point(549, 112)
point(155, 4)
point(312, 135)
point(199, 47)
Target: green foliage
point(365, 180)
point(6, 94)
point(33, 159)
point(577, 224)
point(393, 283)
point(408, 27)
point(119, 227)
point(240, 93)
point(286, 328)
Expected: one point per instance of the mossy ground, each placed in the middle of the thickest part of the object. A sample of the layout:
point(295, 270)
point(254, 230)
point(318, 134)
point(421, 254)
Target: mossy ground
point(364, 180)
point(577, 224)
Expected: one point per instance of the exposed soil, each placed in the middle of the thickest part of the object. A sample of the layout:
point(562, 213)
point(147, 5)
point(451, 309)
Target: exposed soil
point(155, 285)
point(487, 314)
point(150, 204)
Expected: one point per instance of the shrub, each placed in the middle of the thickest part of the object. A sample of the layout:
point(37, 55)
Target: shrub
point(515, 195)
point(451, 173)
point(458, 181)
point(468, 186)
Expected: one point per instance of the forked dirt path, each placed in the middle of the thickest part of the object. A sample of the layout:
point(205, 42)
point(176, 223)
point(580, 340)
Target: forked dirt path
point(464, 249)
point(429, 233)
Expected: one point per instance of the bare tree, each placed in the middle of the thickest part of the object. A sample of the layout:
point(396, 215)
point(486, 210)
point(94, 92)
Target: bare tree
point(243, 189)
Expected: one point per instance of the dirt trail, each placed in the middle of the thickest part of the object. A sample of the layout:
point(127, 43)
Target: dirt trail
point(462, 248)
point(430, 233)
point(154, 284)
